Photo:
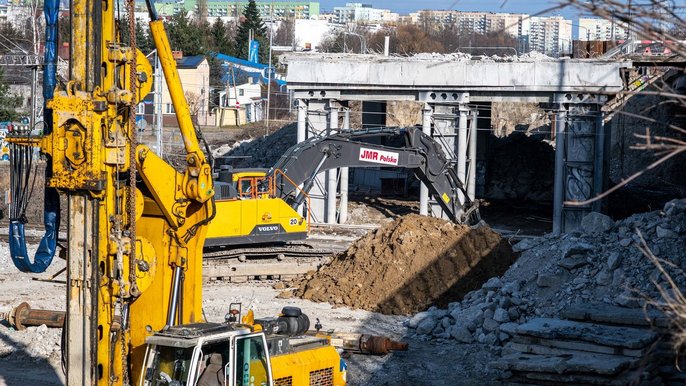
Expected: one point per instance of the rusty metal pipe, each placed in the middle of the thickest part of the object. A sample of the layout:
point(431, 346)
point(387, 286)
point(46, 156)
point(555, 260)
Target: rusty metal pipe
point(366, 344)
point(23, 316)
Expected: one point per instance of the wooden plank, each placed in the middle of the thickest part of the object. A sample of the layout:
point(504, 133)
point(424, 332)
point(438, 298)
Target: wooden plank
point(613, 336)
point(579, 346)
point(564, 364)
point(605, 313)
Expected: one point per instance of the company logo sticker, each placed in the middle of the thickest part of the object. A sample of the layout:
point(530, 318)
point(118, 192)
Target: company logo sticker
point(378, 156)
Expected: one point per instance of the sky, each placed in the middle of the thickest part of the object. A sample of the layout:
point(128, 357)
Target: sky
point(406, 6)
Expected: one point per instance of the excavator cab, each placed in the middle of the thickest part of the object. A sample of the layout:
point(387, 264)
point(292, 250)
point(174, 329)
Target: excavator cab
point(208, 354)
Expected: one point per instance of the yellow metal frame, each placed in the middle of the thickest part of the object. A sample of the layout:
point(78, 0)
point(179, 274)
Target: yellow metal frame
point(90, 146)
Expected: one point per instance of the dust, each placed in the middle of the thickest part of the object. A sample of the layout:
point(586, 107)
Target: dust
point(408, 265)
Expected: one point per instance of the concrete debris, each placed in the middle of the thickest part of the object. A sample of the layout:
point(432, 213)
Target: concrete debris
point(599, 264)
point(595, 222)
point(262, 152)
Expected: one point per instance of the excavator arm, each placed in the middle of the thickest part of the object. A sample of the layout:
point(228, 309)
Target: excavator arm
point(422, 154)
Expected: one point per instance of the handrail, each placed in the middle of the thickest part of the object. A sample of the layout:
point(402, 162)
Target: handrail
point(305, 194)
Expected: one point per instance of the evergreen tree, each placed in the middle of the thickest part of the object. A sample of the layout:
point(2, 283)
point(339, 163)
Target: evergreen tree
point(143, 39)
point(221, 42)
point(8, 102)
point(184, 35)
point(252, 22)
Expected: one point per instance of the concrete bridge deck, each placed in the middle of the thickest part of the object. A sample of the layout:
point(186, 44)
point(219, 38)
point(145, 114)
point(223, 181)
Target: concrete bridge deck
point(447, 84)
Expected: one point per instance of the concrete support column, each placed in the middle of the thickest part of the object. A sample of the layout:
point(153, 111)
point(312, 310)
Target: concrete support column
point(302, 120)
point(580, 159)
point(318, 122)
point(462, 127)
point(343, 208)
point(471, 180)
point(560, 123)
point(427, 112)
point(332, 175)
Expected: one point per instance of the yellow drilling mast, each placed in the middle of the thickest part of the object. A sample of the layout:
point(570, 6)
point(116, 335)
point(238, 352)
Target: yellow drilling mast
point(136, 226)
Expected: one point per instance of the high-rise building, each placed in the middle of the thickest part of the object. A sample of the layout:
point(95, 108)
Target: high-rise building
point(593, 28)
point(279, 10)
point(550, 35)
point(358, 12)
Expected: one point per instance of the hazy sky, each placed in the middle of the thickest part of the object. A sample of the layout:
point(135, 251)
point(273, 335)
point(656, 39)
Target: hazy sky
point(406, 6)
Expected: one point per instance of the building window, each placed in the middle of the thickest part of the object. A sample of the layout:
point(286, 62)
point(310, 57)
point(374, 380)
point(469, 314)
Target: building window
point(241, 92)
point(169, 109)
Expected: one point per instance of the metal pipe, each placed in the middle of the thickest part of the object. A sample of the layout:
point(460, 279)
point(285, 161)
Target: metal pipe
point(423, 189)
point(174, 297)
point(366, 344)
point(23, 316)
point(559, 192)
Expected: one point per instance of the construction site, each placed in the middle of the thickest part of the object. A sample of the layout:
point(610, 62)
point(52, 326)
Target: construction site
point(419, 219)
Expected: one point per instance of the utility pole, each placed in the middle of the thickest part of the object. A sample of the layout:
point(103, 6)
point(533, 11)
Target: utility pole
point(269, 69)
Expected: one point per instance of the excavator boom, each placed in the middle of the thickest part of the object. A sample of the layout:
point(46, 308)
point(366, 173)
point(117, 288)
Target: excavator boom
point(419, 153)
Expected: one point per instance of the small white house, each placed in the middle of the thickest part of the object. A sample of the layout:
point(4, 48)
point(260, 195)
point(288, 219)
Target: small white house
point(247, 97)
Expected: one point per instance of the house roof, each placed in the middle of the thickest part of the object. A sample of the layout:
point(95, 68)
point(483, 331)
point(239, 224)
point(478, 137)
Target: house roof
point(190, 61)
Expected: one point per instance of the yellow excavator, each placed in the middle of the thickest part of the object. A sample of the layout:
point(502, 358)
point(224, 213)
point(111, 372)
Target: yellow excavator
point(261, 205)
point(136, 228)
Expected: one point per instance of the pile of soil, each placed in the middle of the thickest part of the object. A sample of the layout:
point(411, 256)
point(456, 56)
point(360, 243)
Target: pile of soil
point(408, 265)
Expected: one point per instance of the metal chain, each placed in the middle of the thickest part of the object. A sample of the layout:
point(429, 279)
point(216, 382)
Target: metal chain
point(133, 144)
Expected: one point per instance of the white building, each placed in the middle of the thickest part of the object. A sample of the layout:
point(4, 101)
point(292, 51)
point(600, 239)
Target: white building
point(310, 33)
point(358, 12)
point(550, 35)
point(593, 28)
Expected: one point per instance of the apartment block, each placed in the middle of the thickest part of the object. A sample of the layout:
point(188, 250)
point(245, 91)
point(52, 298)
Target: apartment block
point(358, 12)
point(278, 10)
point(597, 29)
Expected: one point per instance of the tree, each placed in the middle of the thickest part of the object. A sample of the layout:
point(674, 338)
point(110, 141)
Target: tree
point(252, 22)
point(285, 35)
point(8, 102)
point(221, 41)
point(184, 35)
point(143, 39)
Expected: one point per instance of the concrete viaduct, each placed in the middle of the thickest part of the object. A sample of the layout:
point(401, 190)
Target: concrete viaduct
point(448, 87)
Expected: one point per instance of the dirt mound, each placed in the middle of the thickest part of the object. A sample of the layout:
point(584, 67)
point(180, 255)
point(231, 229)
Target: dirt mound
point(409, 265)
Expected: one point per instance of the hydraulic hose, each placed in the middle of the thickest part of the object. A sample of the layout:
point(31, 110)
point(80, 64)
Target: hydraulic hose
point(20, 164)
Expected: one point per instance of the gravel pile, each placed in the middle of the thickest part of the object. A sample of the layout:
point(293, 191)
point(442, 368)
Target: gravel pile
point(601, 264)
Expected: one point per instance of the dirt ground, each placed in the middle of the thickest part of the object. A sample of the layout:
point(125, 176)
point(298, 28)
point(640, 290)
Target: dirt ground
point(33, 356)
point(408, 265)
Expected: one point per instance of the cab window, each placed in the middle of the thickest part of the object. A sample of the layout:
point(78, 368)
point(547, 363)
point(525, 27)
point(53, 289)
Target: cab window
point(252, 368)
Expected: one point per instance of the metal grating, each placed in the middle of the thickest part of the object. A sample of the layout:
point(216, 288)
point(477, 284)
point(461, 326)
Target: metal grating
point(284, 381)
point(322, 377)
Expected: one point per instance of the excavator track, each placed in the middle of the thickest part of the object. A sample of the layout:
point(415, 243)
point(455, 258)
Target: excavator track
point(266, 263)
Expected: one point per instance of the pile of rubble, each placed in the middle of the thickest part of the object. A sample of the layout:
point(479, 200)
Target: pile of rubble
point(409, 264)
point(602, 265)
point(262, 152)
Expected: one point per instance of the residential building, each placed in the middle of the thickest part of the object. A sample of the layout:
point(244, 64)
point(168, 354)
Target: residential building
point(513, 24)
point(550, 35)
point(363, 13)
point(194, 74)
point(596, 29)
point(279, 10)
